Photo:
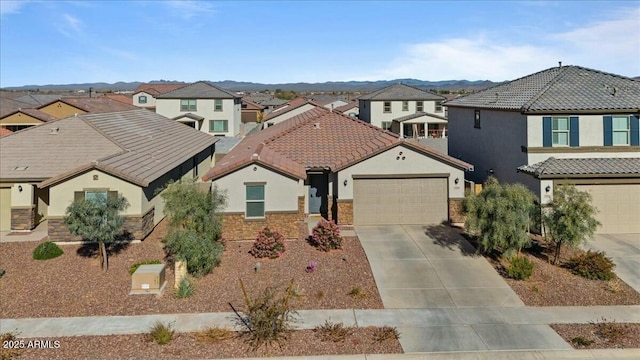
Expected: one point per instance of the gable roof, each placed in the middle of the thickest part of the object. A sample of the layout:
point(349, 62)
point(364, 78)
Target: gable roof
point(139, 146)
point(100, 104)
point(250, 105)
point(419, 114)
point(347, 107)
point(35, 113)
point(157, 89)
point(566, 88)
point(401, 92)
point(598, 167)
point(198, 90)
point(279, 111)
point(316, 139)
point(119, 97)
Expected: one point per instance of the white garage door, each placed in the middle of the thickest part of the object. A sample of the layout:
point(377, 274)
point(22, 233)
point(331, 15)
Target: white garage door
point(400, 201)
point(5, 209)
point(618, 206)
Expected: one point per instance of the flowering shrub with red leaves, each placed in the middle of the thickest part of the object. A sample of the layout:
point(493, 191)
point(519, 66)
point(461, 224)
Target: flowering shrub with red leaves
point(269, 243)
point(326, 236)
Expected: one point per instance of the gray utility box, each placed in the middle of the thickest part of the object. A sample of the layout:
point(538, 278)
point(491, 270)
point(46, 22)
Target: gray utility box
point(148, 279)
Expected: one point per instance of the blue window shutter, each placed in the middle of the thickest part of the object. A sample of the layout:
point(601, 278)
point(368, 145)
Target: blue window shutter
point(607, 127)
point(635, 130)
point(546, 131)
point(574, 131)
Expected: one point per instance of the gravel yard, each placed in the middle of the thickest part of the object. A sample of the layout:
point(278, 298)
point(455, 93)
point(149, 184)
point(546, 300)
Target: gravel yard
point(600, 335)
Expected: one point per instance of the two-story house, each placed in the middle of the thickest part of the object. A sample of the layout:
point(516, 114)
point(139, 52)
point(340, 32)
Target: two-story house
point(566, 124)
point(203, 106)
point(398, 101)
point(145, 94)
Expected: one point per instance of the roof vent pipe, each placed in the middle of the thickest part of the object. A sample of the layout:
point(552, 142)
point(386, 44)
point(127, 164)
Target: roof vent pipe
point(559, 63)
point(316, 125)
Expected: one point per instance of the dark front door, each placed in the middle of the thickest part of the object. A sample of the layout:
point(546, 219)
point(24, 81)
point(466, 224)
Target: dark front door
point(318, 189)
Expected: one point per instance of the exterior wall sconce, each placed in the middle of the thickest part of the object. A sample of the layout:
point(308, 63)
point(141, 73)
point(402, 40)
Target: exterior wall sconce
point(490, 171)
point(345, 182)
point(457, 180)
point(548, 188)
point(20, 188)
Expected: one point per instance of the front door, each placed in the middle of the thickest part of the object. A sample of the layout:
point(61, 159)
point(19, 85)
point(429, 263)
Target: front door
point(318, 189)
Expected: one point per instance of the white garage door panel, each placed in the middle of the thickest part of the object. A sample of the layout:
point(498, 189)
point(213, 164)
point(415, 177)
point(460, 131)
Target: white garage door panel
point(618, 206)
point(400, 201)
point(5, 209)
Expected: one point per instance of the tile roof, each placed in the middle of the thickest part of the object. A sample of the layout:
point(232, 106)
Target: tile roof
point(272, 102)
point(4, 131)
point(419, 114)
point(279, 111)
point(138, 146)
point(199, 90)
point(250, 105)
point(316, 139)
point(349, 106)
point(42, 116)
point(157, 89)
point(119, 97)
point(566, 88)
point(190, 116)
point(98, 104)
point(401, 92)
point(567, 168)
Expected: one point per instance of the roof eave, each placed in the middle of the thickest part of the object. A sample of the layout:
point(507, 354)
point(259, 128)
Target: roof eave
point(581, 111)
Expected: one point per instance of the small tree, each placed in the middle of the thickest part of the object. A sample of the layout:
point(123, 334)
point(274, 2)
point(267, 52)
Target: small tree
point(500, 216)
point(97, 219)
point(570, 218)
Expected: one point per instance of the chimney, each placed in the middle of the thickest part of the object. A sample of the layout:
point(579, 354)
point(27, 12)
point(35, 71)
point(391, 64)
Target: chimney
point(559, 63)
point(316, 125)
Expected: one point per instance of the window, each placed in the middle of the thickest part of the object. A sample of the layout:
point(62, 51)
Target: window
point(438, 106)
point(560, 131)
point(405, 106)
point(188, 105)
point(386, 125)
point(142, 99)
point(255, 201)
point(620, 126)
point(476, 119)
point(217, 105)
point(352, 114)
point(96, 195)
point(218, 125)
point(419, 106)
point(387, 106)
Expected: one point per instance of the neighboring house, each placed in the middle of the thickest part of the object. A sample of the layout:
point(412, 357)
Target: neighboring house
point(282, 114)
point(331, 165)
point(145, 94)
point(204, 107)
point(251, 112)
point(133, 153)
point(5, 132)
point(24, 118)
point(119, 97)
point(566, 124)
point(420, 125)
point(381, 107)
point(271, 104)
point(350, 109)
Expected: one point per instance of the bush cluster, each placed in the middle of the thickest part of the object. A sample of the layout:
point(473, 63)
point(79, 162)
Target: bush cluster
point(269, 243)
point(160, 333)
point(201, 254)
point(326, 236)
point(47, 250)
point(185, 288)
point(135, 266)
point(334, 332)
point(593, 265)
point(520, 268)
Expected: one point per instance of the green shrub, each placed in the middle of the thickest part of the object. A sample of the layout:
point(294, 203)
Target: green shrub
point(47, 250)
point(201, 254)
point(185, 288)
point(385, 333)
point(135, 266)
point(1, 273)
point(332, 332)
point(269, 243)
point(593, 265)
point(581, 341)
point(326, 236)
point(520, 268)
point(161, 333)
point(357, 292)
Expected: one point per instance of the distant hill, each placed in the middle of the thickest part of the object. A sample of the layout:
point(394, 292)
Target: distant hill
point(362, 86)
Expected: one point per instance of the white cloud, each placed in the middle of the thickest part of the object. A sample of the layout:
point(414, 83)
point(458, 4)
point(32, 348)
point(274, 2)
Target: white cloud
point(608, 45)
point(11, 6)
point(188, 9)
point(69, 25)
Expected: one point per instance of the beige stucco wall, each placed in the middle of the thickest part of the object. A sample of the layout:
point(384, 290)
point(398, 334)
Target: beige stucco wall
point(289, 114)
point(61, 110)
point(24, 197)
point(61, 195)
point(231, 111)
point(281, 192)
point(19, 119)
point(151, 101)
point(387, 164)
point(377, 114)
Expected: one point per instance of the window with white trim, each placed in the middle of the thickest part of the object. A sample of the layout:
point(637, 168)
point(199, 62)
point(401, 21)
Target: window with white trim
point(386, 125)
point(560, 131)
point(387, 107)
point(217, 105)
point(255, 201)
point(438, 106)
point(419, 106)
point(142, 99)
point(188, 105)
point(621, 129)
point(218, 125)
point(405, 106)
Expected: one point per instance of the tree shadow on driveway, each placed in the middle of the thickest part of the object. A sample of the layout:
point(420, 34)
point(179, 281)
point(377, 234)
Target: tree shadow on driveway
point(450, 238)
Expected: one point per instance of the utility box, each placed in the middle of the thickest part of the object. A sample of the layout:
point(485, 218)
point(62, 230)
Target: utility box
point(148, 279)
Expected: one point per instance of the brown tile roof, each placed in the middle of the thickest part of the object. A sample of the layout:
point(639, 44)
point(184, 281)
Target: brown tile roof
point(42, 116)
point(250, 105)
point(316, 139)
point(119, 97)
point(138, 146)
point(568, 168)
point(279, 111)
point(4, 131)
point(157, 89)
point(98, 104)
point(349, 106)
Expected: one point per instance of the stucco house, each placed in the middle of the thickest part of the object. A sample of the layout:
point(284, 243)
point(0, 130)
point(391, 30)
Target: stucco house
point(204, 107)
point(251, 112)
point(145, 95)
point(566, 124)
point(285, 113)
point(134, 153)
point(320, 163)
point(350, 109)
point(382, 107)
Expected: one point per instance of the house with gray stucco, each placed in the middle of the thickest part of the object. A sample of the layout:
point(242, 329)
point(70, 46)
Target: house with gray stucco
point(566, 124)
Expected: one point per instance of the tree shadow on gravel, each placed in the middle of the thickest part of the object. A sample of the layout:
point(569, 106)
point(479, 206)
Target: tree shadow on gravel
point(447, 237)
point(90, 250)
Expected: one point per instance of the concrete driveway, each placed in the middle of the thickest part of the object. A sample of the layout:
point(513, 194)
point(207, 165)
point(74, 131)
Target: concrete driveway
point(624, 250)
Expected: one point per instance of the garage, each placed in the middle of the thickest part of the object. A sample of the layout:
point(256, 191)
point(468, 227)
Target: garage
point(5, 209)
point(405, 201)
point(618, 207)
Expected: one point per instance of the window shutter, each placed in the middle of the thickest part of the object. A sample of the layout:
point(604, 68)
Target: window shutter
point(635, 130)
point(574, 131)
point(112, 194)
point(607, 127)
point(546, 131)
point(78, 195)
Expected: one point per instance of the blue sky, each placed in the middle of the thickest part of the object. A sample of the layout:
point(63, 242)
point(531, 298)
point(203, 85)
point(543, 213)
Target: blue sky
point(61, 42)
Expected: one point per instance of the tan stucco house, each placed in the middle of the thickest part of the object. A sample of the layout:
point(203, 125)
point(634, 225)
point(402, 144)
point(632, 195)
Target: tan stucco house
point(331, 165)
point(145, 95)
point(133, 153)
